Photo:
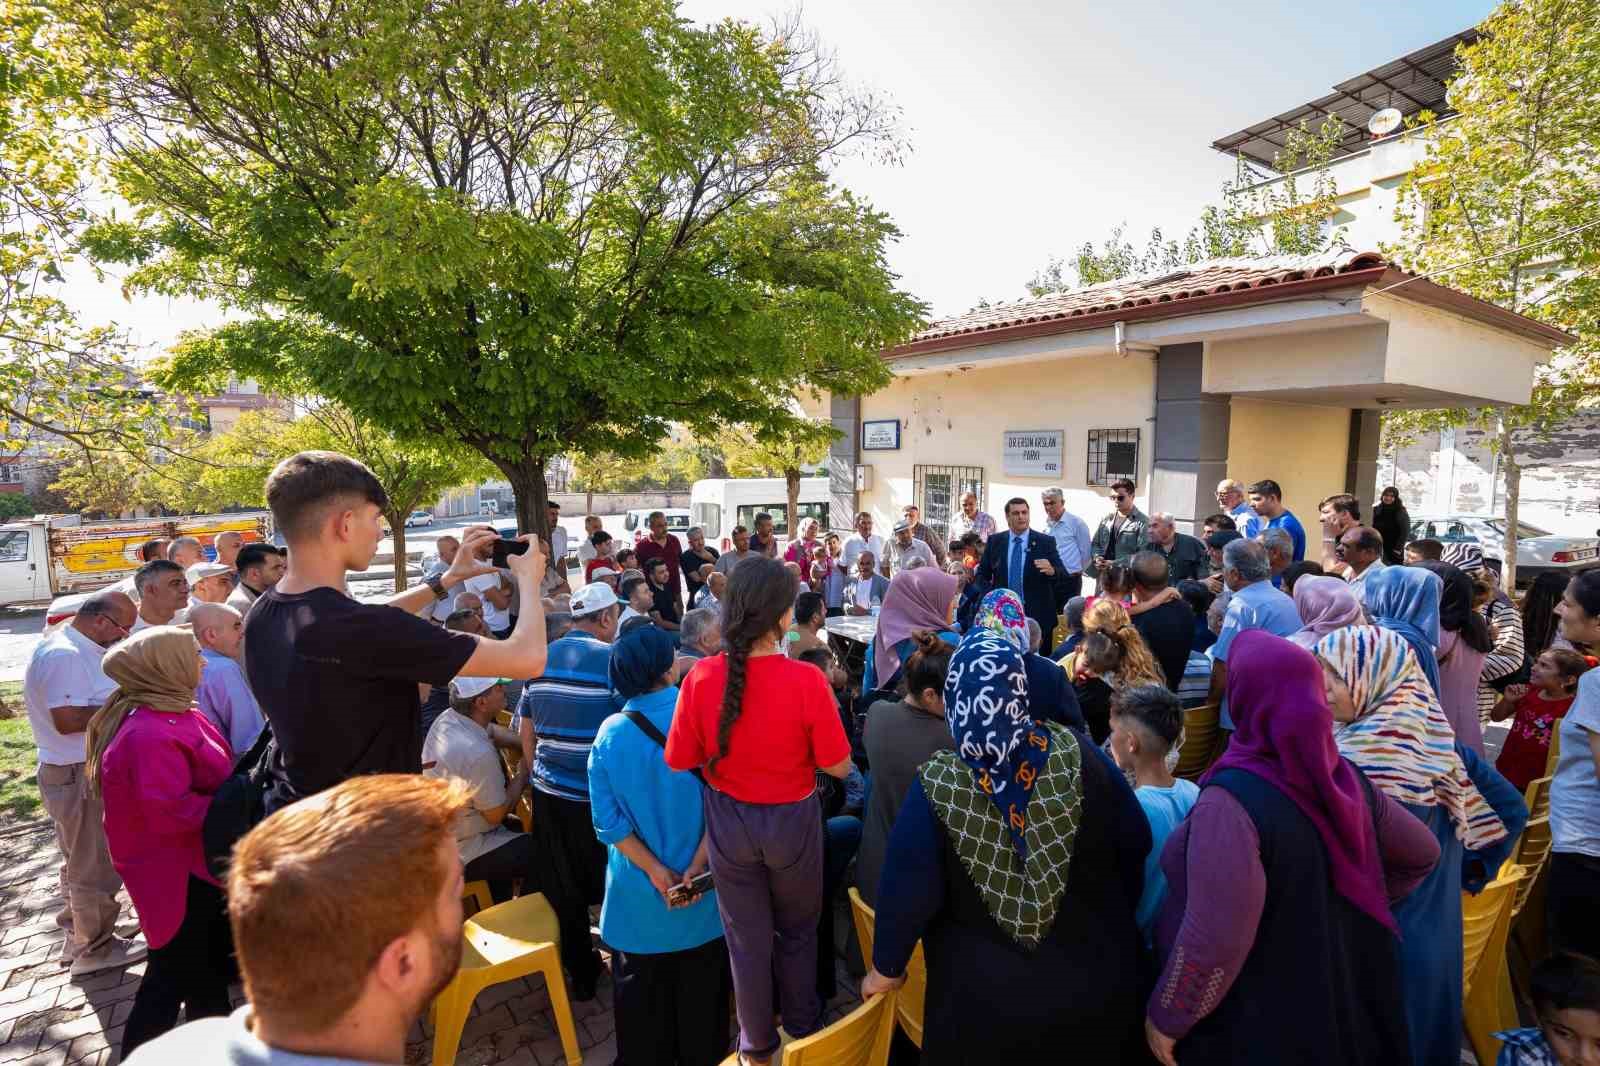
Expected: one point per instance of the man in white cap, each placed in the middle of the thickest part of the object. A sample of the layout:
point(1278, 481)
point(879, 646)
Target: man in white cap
point(905, 547)
point(462, 743)
point(605, 574)
point(560, 713)
point(209, 583)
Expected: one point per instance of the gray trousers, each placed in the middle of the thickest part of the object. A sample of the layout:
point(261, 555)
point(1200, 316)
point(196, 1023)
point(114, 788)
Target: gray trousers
point(766, 861)
point(88, 880)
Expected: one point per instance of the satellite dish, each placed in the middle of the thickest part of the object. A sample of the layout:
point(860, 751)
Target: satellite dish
point(1382, 123)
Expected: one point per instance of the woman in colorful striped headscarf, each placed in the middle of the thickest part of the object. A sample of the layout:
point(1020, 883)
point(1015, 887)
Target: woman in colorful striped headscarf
point(1050, 695)
point(1018, 861)
point(1391, 725)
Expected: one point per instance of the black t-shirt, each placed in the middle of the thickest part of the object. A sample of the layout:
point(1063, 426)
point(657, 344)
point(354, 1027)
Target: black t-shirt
point(337, 681)
point(666, 603)
point(693, 560)
point(1169, 631)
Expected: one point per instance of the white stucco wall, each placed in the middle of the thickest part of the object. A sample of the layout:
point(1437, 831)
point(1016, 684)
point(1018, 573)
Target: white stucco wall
point(958, 418)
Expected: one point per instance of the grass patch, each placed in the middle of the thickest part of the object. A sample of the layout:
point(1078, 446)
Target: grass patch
point(19, 793)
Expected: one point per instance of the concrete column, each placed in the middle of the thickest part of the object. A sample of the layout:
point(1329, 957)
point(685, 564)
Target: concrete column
point(1191, 438)
point(845, 414)
point(1361, 469)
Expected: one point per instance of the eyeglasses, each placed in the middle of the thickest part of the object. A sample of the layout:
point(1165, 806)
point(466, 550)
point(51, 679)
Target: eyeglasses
point(1118, 496)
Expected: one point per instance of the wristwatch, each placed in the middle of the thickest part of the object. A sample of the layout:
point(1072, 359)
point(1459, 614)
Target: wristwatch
point(436, 583)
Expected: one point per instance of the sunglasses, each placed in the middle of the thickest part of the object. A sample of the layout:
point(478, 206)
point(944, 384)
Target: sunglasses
point(1118, 496)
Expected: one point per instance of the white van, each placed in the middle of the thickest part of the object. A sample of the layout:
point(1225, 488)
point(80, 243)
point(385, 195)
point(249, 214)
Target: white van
point(637, 522)
point(719, 504)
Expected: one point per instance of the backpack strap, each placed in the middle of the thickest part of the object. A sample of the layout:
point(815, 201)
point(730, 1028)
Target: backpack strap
point(649, 729)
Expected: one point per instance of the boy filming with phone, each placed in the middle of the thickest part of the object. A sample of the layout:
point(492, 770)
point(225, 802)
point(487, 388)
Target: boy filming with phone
point(337, 679)
point(670, 967)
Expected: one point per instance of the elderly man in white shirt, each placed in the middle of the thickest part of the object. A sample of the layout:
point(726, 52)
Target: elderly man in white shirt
point(463, 743)
point(1071, 535)
point(63, 687)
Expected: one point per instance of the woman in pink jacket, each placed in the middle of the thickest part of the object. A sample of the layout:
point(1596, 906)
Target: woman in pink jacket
point(156, 760)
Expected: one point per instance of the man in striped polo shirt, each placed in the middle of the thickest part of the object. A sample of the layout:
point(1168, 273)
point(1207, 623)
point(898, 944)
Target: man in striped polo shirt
point(560, 713)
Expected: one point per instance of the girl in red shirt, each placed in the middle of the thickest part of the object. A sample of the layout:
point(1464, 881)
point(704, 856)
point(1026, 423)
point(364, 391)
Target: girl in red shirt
point(1538, 706)
point(760, 725)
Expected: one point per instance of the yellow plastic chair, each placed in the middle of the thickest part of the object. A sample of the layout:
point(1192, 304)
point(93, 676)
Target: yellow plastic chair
point(860, 1038)
point(507, 941)
point(1485, 923)
point(1533, 847)
point(476, 892)
point(1200, 728)
point(913, 995)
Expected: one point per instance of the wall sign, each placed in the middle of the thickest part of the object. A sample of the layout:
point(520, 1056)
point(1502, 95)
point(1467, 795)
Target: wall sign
point(880, 436)
point(1032, 453)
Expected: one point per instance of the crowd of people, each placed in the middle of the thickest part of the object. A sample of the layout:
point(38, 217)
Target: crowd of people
point(294, 786)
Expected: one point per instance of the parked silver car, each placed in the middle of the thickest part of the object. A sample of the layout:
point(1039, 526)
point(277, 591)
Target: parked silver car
point(1538, 551)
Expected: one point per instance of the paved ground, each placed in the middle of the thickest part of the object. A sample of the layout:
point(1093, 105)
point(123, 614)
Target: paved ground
point(45, 1019)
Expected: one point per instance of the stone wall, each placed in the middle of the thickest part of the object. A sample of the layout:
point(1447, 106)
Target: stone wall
point(1456, 471)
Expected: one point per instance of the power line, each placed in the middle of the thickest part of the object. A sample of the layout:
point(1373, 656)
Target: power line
point(1591, 224)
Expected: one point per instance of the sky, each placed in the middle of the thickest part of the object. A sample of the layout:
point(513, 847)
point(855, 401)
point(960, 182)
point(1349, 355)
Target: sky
point(1035, 126)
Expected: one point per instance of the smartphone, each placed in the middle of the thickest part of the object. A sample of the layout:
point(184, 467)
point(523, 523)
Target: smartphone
point(503, 549)
point(696, 888)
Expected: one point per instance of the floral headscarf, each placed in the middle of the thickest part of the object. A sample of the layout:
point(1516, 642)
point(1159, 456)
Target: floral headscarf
point(1001, 613)
point(986, 708)
point(1401, 738)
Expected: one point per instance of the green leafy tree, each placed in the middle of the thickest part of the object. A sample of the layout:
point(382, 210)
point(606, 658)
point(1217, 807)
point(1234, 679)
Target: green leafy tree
point(535, 229)
point(62, 384)
point(414, 473)
point(676, 465)
point(1253, 217)
point(1506, 207)
point(18, 505)
point(787, 455)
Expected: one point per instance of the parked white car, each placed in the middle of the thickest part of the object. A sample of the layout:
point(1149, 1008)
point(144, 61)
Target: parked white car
point(419, 518)
point(1538, 550)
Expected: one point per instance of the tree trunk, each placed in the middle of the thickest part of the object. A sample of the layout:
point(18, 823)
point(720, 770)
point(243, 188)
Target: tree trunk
point(527, 484)
point(588, 504)
point(1508, 455)
point(397, 523)
point(791, 479)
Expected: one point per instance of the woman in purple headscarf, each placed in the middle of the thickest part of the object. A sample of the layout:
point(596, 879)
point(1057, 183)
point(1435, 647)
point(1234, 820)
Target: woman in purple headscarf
point(920, 599)
point(1276, 938)
point(1326, 604)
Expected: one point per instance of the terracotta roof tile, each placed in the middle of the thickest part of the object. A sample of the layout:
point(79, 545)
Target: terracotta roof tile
point(1198, 279)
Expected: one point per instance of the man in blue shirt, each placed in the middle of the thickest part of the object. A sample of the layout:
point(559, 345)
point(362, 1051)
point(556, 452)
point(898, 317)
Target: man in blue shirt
point(1255, 605)
point(1266, 500)
point(224, 696)
point(560, 713)
point(1071, 535)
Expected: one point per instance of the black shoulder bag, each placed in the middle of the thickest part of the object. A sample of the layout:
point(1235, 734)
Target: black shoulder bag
point(649, 729)
point(238, 805)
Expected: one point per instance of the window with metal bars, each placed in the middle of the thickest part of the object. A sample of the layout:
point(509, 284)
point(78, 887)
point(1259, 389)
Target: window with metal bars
point(1113, 454)
point(938, 492)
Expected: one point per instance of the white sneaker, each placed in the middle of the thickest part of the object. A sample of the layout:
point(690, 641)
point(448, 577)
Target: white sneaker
point(113, 956)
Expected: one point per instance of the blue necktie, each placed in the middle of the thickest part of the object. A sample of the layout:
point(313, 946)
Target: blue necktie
point(1017, 553)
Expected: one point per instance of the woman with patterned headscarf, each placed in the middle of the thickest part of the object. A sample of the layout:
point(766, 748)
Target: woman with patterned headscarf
point(1276, 937)
point(1050, 695)
point(1391, 726)
point(1017, 860)
point(156, 761)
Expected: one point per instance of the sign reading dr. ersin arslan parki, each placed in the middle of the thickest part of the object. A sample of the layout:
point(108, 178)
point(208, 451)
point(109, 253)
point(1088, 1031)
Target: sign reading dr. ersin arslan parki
point(1032, 452)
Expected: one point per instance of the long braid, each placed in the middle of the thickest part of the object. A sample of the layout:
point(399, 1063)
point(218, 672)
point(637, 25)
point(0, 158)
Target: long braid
point(738, 653)
point(760, 591)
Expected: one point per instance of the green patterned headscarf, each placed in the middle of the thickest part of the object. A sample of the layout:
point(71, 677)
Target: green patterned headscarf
point(1021, 894)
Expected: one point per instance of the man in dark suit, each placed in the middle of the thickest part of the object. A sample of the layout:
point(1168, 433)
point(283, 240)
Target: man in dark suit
point(1027, 563)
